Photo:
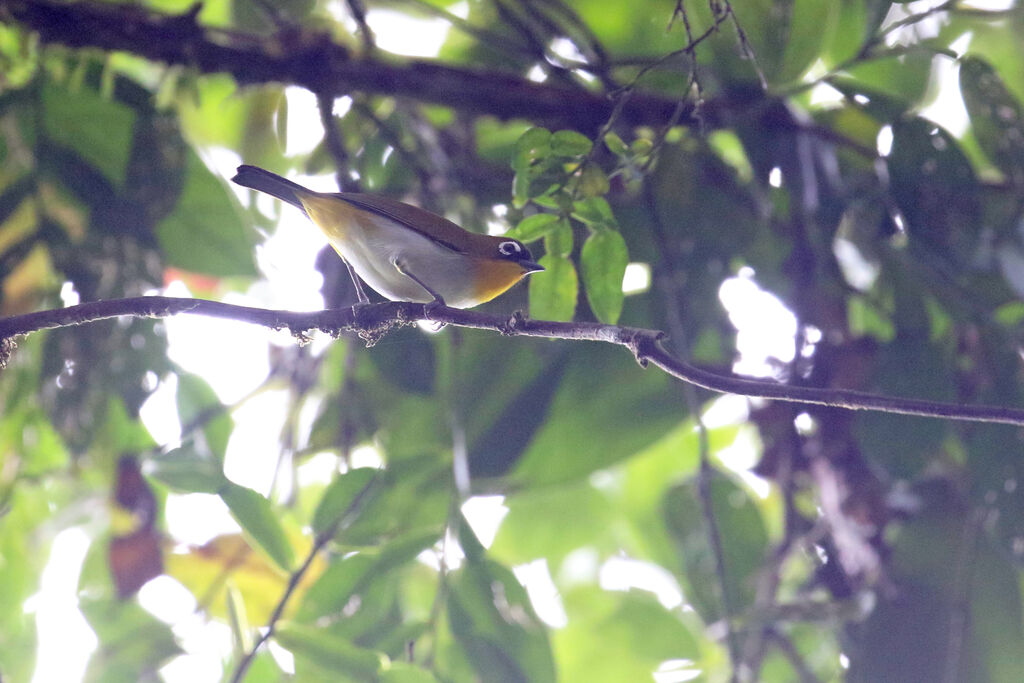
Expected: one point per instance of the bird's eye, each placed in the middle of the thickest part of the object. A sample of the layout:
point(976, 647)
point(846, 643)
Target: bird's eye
point(509, 248)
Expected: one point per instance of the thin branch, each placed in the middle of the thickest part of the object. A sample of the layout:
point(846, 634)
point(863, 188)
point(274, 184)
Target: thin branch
point(312, 60)
point(335, 144)
point(373, 321)
point(949, 5)
point(394, 138)
point(673, 308)
point(336, 147)
point(536, 36)
point(745, 47)
point(959, 617)
point(695, 83)
point(687, 49)
point(586, 41)
point(789, 651)
point(296, 578)
point(358, 12)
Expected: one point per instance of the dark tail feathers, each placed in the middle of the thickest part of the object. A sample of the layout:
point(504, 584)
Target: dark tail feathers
point(271, 183)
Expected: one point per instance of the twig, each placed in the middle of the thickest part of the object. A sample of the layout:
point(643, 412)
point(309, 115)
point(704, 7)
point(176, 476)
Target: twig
point(394, 137)
point(373, 321)
point(442, 578)
point(745, 46)
point(536, 33)
point(666, 283)
point(959, 616)
point(486, 37)
point(296, 577)
point(912, 19)
point(590, 45)
point(789, 651)
point(336, 147)
point(695, 84)
point(688, 49)
point(358, 12)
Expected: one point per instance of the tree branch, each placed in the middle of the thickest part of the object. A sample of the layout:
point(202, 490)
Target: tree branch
point(373, 321)
point(312, 60)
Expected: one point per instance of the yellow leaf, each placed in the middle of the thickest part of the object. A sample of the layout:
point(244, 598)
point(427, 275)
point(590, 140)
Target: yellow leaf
point(29, 279)
point(206, 570)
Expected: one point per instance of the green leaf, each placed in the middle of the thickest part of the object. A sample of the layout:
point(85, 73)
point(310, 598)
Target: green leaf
point(492, 618)
point(19, 575)
point(949, 581)
point(413, 495)
point(604, 259)
point(347, 576)
point(408, 361)
point(121, 432)
point(995, 470)
point(532, 228)
point(583, 405)
point(198, 404)
point(185, 470)
point(615, 145)
point(495, 449)
point(550, 522)
point(744, 544)
point(331, 591)
point(258, 520)
point(342, 497)
point(27, 432)
point(205, 233)
point(238, 619)
point(848, 33)
point(907, 367)
point(809, 27)
point(594, 212)
point(96, 127)
point(521, 188)
point(641, 147)
point(553, 291)
point(896, 77)
point(569, 143)
point(593, 181)
point(398, 551)
point(618, 636)
point(647, 475)
point(403, 672)
point(934, 185)
point(559, 240)
point(996, 117)
point(495, 141)
point(532, 146)
point(330, 651)
point(136, 641)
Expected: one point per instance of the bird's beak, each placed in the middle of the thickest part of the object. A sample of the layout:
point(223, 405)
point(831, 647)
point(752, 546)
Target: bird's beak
point(530, 266)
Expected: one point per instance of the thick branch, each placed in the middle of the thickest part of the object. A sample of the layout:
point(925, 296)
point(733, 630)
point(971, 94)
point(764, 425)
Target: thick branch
point(312, 60)
point(373, 321)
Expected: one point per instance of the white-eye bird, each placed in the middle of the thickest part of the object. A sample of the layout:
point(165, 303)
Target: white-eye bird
point(403, 252)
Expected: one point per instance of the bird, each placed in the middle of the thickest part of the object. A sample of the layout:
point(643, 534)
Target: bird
point(403, 252)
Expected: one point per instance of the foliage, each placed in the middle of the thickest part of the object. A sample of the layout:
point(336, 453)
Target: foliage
point(789, 143)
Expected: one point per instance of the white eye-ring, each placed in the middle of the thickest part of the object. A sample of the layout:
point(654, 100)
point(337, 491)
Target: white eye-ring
point(509, 248)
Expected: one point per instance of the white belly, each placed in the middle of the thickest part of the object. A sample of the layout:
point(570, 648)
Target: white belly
point(371, 245)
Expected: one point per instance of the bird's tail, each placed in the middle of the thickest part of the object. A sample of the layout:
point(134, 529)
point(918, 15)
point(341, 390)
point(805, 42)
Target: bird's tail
point(271, 183)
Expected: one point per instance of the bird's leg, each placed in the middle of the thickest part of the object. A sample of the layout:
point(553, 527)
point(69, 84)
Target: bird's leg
point(404, 270)
point(357, 283)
